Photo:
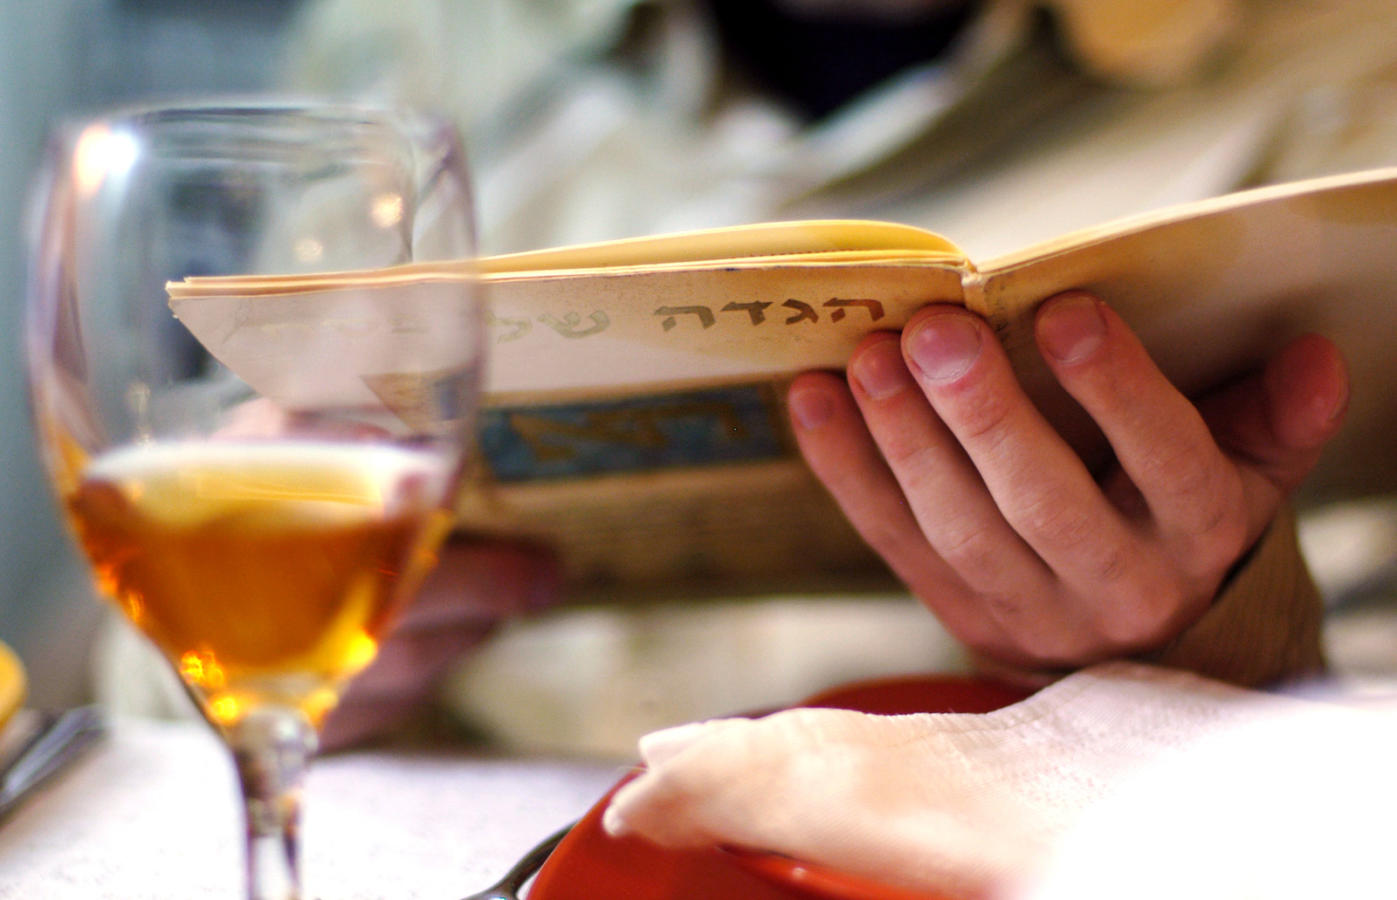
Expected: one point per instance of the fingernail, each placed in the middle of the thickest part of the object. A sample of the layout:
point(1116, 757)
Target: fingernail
point(880, 371)
point(613, 822)
point(1338, 406)
point(945, 345)
point(1331, 404)
point(1071, 328)
point(810, 408)
point(615, 819)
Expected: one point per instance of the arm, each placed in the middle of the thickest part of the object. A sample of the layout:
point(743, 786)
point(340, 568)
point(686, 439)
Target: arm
point(947, 470)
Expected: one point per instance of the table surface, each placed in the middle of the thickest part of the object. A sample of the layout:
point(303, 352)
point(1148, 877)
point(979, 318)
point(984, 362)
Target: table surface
point(152, 812)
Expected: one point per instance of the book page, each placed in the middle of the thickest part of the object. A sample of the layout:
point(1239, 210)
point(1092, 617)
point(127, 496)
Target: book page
point(688, 533)
point(1214, 289)
point(641, 330)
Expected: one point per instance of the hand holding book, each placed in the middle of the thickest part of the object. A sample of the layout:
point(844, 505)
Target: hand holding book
point(637, 391)
point(948, 470)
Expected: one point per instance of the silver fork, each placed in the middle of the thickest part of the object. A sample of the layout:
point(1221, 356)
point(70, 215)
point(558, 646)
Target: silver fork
point(507, 888)
point(58, 739)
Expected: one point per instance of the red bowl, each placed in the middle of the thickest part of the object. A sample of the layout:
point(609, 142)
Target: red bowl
point(589, 863)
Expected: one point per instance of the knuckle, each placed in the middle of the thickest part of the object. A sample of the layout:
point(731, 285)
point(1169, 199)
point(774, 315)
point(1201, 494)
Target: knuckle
point(907, 457)
point(1203, 481)
point(1109, 563)
point(889, 540)
point(1050, 520)
point(977, 417)
point(1141, 618)
point(1219, 545)
point(1217, 534)
point(1004, 607)
point(968, 549)
point(1032, 637)
point(1228, 522)
point(1184, 469)
point(1058, 648)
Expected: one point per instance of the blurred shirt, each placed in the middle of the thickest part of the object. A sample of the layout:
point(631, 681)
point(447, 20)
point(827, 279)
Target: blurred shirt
point(594, 119)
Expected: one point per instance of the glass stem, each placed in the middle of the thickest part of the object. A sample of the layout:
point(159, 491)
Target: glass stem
point(272, 748)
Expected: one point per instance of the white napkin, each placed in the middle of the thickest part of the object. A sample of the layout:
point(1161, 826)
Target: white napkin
point(970, 804)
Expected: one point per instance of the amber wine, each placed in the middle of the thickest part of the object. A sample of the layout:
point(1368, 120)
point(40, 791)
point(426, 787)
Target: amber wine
point(264, 571)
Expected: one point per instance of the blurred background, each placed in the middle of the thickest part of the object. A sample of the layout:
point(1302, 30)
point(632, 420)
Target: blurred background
point(997, 123)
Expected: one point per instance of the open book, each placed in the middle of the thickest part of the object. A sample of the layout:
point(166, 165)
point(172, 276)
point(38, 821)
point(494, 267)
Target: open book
point(635, 388)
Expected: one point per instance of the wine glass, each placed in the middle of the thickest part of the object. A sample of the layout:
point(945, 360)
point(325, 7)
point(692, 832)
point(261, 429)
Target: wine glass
point(261, 538)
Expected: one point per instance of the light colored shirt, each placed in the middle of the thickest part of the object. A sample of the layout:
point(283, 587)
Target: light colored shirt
point(595, 119)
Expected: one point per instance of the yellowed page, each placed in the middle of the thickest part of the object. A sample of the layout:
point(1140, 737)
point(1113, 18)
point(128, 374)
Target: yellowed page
point(814, 241)
point(642, 330)
point(1215, 288)
point(687, 309)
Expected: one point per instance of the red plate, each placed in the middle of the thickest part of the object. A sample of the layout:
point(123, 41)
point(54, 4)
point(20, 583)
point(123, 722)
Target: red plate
point(589, 863)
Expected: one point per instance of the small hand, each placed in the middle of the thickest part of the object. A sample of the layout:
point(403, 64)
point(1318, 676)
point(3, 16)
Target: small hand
point(474, 587)
point(949, 472)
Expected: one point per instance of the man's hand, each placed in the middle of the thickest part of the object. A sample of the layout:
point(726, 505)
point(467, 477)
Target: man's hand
point(949, 472)
point(475, 585)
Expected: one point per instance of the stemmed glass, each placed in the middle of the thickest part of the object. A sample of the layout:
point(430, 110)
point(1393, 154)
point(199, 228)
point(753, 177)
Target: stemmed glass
point(261, 538)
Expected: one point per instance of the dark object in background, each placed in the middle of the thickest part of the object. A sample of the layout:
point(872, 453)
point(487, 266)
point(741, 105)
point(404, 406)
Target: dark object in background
point(819, 61)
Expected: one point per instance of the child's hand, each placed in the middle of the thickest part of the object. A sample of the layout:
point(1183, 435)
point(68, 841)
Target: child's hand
point(948, 471)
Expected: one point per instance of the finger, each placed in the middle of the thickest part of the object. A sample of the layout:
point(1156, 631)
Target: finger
point(836, 444)
point(1275, 424)
point(1191, 491)
point(691, 796)
point(659, 747)
point(947, 498)
point(1307, 391)
point(1038, 483)
point(676, 801)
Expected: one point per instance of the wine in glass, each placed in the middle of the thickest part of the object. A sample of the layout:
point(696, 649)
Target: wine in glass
point(260, 534)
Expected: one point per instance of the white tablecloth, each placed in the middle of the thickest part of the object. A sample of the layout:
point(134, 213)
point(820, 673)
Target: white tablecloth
point(153, 813)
